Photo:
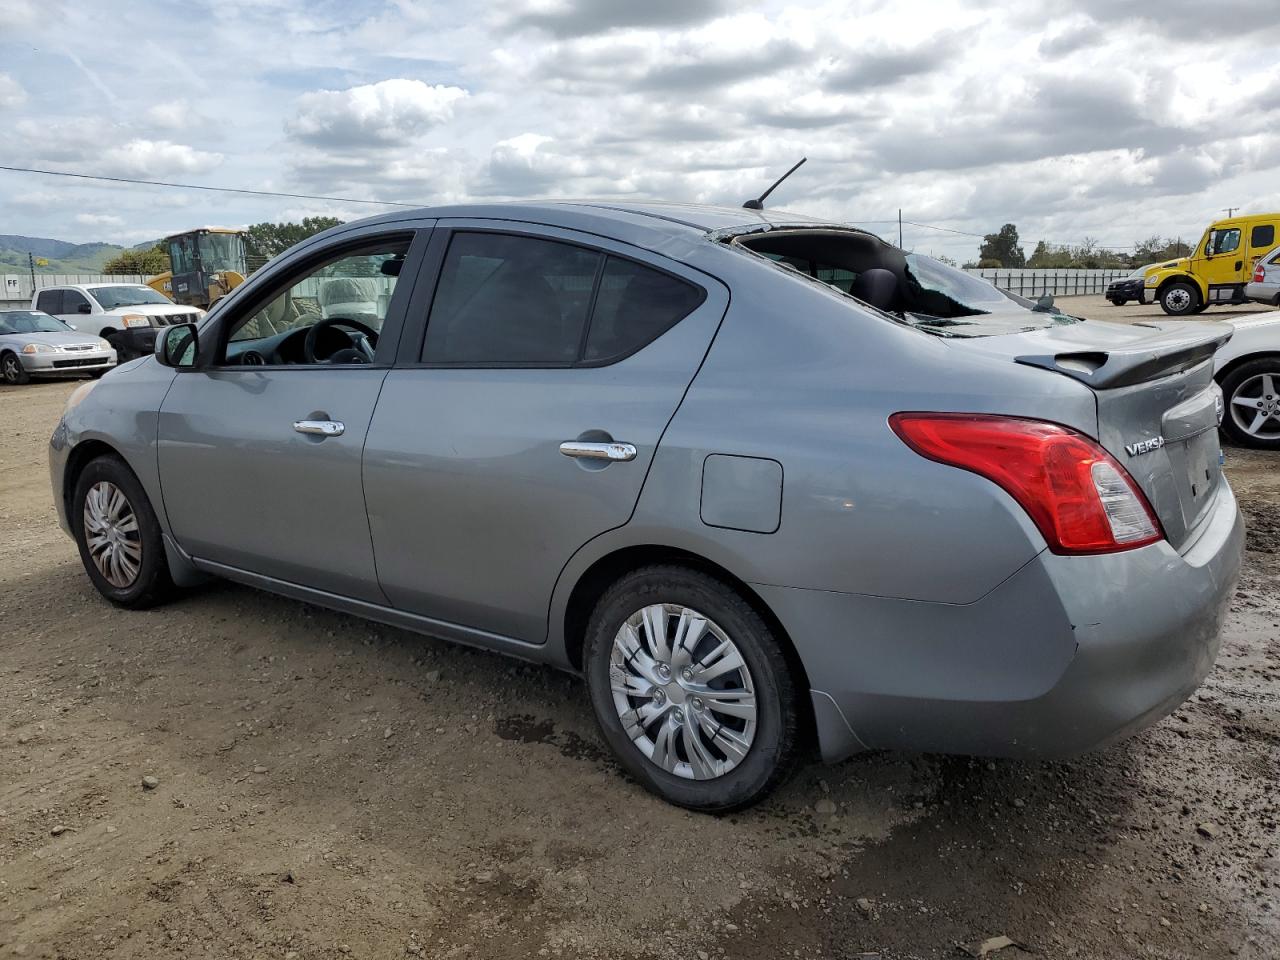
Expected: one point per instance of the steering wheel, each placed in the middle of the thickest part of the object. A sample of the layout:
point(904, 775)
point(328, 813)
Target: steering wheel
point(345, 355)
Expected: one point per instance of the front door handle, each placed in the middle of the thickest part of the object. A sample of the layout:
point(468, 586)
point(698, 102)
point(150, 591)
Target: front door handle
point(585, 450)
point(320, 428)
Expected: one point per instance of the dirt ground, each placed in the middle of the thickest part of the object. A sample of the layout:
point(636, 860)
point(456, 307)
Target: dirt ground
point(329, 788)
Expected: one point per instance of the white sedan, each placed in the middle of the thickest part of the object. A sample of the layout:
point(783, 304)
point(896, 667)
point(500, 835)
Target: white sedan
point(34, 344)
point(1248, 369)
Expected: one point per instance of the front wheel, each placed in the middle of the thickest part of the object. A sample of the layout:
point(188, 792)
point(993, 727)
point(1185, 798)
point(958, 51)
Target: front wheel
point(1252, 394)
point(120, 542)
point(691, 689)
point(1118, 301)
point(1180, 299)
point(14, 373)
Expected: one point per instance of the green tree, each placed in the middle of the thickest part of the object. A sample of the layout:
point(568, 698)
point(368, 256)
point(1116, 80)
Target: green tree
point(146, 262)
point(1003, 246)
point(266, 240)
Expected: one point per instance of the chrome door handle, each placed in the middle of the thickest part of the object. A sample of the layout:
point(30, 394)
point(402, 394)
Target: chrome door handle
point(320, 428)
point(598, 451)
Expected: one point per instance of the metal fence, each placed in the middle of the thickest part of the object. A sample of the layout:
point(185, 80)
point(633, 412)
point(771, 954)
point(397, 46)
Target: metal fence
point(1060, 283)
point(16, 290)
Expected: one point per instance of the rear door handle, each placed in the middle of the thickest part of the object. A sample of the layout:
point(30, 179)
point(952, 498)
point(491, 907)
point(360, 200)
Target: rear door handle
point(585, 450)
point(320, 428)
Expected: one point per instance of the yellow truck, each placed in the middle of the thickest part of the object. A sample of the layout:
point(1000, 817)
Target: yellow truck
point(1219, 266)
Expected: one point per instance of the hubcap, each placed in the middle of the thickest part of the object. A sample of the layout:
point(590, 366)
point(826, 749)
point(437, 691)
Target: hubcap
point(11, 369)
point(112, 535)
point(683, 691)
point(1255, 406)
point(1179, 300)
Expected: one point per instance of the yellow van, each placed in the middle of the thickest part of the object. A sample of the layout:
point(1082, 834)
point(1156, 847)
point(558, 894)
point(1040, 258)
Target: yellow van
point(1219, 266)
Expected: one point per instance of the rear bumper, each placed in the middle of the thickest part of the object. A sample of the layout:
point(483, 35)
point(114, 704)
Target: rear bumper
point(1068, 654)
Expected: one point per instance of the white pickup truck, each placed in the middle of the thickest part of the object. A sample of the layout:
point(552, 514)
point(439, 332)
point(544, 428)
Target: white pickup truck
point(126, 315)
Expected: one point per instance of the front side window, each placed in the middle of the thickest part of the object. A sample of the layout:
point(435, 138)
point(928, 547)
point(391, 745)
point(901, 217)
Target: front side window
point(333, 313)
point(1224, 241)
point(505, 299)
point(49, 301)
point(73, 301)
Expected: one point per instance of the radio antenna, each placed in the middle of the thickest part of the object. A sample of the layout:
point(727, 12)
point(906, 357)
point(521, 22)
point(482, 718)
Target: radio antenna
point(758, 202)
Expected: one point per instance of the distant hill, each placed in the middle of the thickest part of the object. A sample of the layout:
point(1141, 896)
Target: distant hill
point(63, 257)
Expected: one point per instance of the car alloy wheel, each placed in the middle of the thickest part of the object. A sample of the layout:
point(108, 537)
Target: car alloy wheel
point(1255, 406)
point(112, 535)
point(683, 691)
point(11, 369)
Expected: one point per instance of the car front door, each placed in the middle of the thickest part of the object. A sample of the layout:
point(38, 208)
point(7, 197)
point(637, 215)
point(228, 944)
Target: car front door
point(260, 446)
point(521, 423)
point(1223, 266)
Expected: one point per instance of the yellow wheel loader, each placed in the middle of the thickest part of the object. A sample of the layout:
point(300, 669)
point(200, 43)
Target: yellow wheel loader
point(204, 266)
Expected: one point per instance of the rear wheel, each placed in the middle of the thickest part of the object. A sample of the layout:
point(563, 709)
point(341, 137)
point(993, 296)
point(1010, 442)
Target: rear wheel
point(1252, 394)
point(119, 536)
point(11, 368)
point(1180, 299)
point(691, 689)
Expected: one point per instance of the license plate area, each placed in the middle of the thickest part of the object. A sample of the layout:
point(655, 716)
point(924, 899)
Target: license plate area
point(1197, 471)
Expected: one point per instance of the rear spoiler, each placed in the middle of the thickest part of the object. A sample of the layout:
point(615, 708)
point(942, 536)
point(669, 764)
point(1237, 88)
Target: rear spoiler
point(1150, 359)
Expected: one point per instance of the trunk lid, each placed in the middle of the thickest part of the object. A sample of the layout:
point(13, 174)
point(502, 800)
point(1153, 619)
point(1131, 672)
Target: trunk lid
point(1158, 405)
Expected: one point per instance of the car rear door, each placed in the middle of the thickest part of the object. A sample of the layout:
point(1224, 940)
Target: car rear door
point(543, 354)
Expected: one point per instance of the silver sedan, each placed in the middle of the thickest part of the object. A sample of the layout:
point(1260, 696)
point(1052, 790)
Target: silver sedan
point(757, 478)
point(34, 344)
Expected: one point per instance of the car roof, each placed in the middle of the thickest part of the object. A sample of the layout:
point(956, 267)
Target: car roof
point(619, 217)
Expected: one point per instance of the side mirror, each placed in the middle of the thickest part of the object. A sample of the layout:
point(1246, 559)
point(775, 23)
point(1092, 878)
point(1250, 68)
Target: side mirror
point(84, 308)
point(178, 346)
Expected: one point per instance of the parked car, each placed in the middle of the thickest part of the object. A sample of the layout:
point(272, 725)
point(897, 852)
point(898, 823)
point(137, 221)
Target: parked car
point(126, 314)
point(1218, 268)
point(34, 344)
point(1265, 285)
point(1248, 368)
point(1121, 291)
point(751, 475)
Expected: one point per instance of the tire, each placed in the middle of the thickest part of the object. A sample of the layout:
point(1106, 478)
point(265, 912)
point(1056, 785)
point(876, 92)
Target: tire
point(1118, 301)
point(1179, 299)
point(150, 584)
point(1242, 389)
point(724, 781)
point(12, 370)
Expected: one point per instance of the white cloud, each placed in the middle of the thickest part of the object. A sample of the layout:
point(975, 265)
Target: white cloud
point(387, 112)
point(11, 92)
point(149, 159)
point(99, 220)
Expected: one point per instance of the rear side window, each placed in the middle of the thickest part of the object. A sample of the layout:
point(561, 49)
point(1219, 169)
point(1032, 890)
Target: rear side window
point(509, 299)
point(1263, 235)
point(518, 300)
point(635, 306)
point(50, 301)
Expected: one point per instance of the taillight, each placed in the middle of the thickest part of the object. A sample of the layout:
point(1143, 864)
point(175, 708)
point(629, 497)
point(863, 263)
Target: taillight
point(1259, 273)
point(1080, 498)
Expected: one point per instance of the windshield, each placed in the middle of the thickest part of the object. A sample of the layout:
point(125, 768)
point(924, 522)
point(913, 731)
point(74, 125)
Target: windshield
point(1139, 273)
point(30, 321)
point(221, 251)
point(126, 296)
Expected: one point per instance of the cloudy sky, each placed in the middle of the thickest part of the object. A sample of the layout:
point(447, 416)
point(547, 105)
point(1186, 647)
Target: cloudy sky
point(1072, 120)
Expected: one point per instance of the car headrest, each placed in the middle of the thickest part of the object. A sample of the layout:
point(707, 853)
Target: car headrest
point(878, 287)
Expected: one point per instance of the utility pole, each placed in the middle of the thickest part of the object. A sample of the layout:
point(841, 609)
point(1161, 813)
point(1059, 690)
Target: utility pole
point(1231, 211)
point(31, 265)
point(899, 228)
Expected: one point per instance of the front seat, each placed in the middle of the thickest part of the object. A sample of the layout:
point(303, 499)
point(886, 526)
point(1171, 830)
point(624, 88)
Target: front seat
point(878, 287)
